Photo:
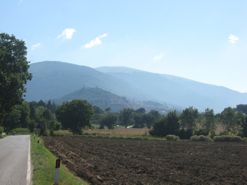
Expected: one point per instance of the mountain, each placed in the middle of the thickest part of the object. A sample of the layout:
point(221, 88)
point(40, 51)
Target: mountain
point(99, 97)
point(176, 90)
point(104, 99)
point(54, 80)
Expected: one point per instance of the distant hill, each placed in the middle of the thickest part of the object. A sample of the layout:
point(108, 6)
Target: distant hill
point(104, 99)
point(54, 80)
point(176, 90)
point(99, 97)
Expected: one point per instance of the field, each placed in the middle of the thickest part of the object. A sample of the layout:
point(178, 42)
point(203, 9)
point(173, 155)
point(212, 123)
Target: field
point(118, 132)
point(146, 162)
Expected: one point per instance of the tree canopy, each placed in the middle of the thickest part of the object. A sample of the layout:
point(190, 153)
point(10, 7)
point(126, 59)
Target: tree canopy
point(13, 72)
point(75, 115)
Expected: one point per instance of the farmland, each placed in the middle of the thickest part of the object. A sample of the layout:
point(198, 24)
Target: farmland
point(148, 162)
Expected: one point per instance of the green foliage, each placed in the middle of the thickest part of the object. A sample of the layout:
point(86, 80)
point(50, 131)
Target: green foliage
point(209, 121)
point(20, 131)
point(244, 127)
point(13, 73)
point(188, 118)
point(232, 120)
point(227, 138)
point(152, 117)
point(242, 108)
point(185, 133)
point(109, 120)
point(172, 138)
point(169, 125)
point(75, 115)
point(1, 131)
point(126, 117)
point(201, 138)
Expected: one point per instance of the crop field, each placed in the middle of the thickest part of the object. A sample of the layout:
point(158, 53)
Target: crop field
point(147, 162)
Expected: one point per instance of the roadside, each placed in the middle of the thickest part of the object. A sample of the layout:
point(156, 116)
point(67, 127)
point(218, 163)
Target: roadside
point(43, 162)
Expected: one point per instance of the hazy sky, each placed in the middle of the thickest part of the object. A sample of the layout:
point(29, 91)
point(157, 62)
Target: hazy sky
point(201, 40)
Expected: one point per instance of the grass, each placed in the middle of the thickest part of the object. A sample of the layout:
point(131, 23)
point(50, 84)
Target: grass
point(63, 133)
point(43, 163)
point(19, 131)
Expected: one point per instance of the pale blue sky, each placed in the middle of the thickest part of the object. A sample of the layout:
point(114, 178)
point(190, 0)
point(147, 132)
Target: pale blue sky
point(201, 40)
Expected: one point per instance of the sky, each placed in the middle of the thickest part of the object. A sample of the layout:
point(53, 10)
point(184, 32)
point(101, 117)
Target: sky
point(204, 41)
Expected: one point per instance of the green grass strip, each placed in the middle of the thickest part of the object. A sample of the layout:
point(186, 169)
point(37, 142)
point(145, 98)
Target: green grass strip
point(43, 164)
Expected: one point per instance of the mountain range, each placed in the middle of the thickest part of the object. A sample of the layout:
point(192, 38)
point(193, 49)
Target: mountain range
point(63, 81)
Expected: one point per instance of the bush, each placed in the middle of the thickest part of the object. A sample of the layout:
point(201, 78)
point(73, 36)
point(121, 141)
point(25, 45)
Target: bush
point(185, 133)
point(227, 138)
point(1, 131)
point(200, 138)
point(172, 138)
point(169, 125)
point(200, 132)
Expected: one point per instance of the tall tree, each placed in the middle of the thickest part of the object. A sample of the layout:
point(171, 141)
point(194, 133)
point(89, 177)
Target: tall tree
point(209, 122)
point(188, 118)
point(75, 115)
point(126, 117)
point(168, 125)
point(13, 72)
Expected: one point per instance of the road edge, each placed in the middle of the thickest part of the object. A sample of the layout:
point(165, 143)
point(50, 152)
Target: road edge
point(29, 171)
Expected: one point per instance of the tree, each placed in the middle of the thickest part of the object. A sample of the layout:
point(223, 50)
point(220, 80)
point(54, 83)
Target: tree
point(209, 120)
point(188, 118)
point(166, 126)
point(228, 118)
point(12, 120)
point(150, 118)
point(126, 117)
point(242, 108)
point(244, 127)
point(75, 115)
point(109, 120)
point(138, 117)
point(13, 73)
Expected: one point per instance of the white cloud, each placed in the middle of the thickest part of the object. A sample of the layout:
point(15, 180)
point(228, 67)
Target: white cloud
point(35, 46)
point(96, 41)
point(233, 39)
point(67, 33)
point(158, 57)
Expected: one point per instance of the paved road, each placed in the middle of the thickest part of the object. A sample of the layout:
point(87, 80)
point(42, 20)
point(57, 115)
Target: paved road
point(15, 160)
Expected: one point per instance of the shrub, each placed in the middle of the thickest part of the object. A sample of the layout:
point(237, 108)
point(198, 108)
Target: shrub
point(169, 125)
point(185, 133)
point(1, 131)
point(200, 132)
point(200, 138)
point(172, 138)
point(227, 138)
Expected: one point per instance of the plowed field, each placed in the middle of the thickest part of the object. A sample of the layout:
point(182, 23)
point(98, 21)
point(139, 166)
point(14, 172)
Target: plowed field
point(144, 162)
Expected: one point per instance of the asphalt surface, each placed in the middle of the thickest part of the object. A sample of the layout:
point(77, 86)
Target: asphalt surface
point(15, 160)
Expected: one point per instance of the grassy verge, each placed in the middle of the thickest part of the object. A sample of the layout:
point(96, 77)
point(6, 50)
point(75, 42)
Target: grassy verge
point(43, 162)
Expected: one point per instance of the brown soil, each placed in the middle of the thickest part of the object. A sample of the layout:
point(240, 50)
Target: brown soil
point(142, 162)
